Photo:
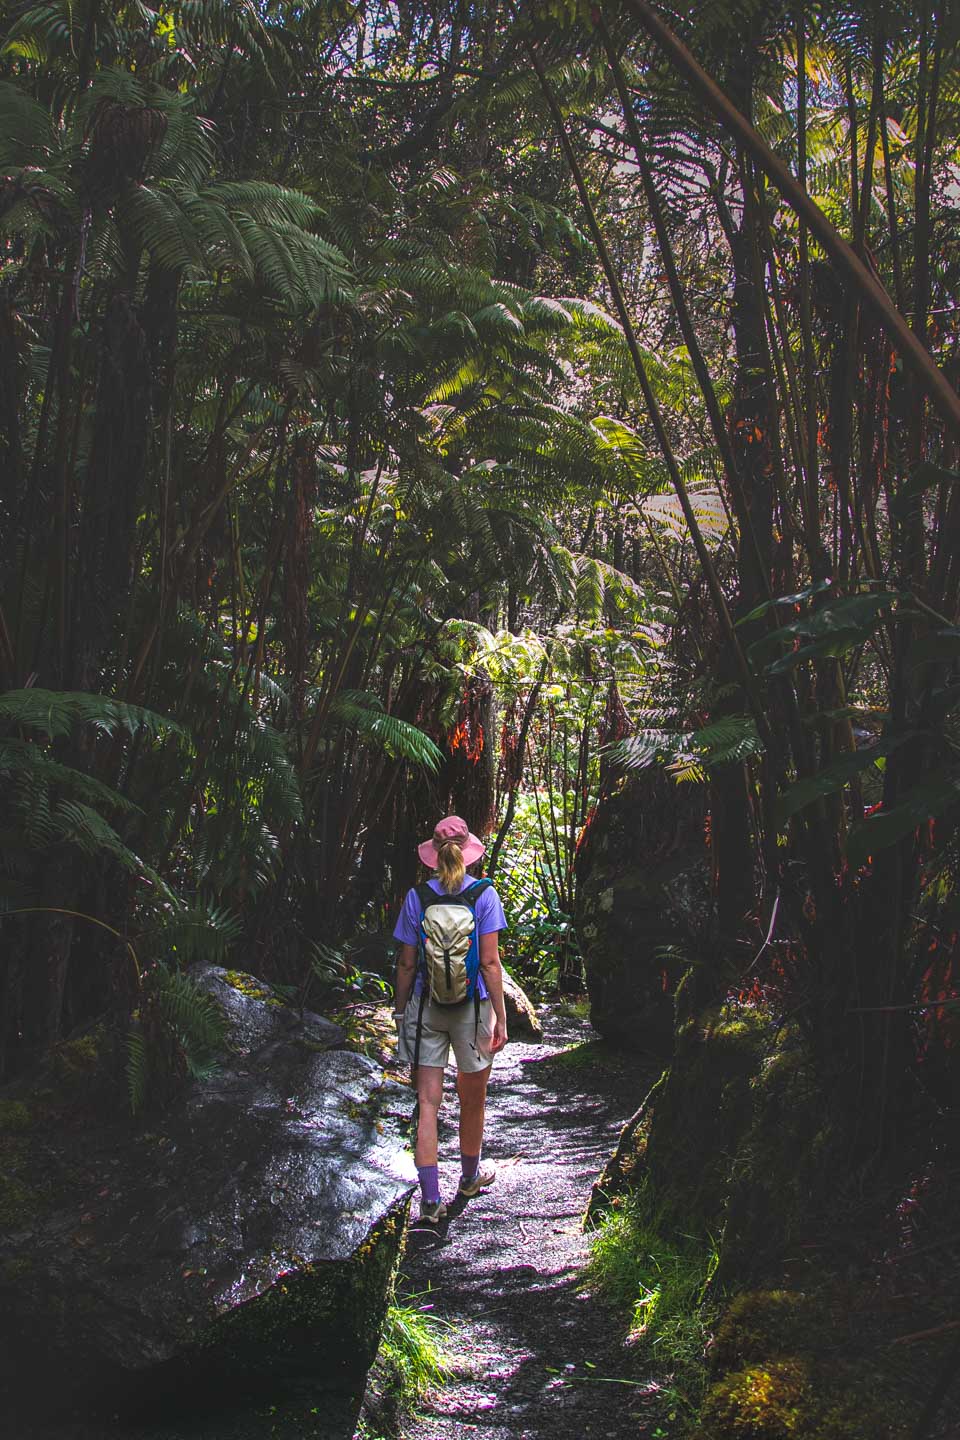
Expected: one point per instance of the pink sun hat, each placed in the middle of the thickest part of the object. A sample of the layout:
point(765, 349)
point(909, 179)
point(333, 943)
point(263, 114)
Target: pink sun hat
point(452, 828)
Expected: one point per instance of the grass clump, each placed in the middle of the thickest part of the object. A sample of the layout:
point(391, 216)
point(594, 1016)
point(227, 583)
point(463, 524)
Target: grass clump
point(659, 1278)
point(413, 1359)
point(413, 1351)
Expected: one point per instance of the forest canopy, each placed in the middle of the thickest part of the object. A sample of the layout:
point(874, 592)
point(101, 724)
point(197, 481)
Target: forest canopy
point(467, 407)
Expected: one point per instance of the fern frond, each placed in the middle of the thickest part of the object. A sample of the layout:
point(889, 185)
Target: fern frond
point(138, 1070)
point(190, 1012)
point(363, 712)
point(55, 713)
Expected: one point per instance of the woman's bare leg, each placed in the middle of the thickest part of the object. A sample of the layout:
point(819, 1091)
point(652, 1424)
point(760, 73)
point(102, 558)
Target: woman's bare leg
point(429, 1083)
point(472, 1090)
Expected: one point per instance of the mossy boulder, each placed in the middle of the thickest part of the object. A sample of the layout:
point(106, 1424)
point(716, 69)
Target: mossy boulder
point(644, 905)
point(761, 1402)
point(245, 1243)
point(681, 1140)
point(732, 1138)
point(257, 1014)
point(522, 1021)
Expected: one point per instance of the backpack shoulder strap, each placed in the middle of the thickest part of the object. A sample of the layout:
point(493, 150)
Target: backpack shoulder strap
point(473, 892)
point(425, 895)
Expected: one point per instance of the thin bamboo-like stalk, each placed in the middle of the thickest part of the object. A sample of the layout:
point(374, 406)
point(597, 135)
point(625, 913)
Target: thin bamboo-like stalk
point(652, 405)
point(931, 379)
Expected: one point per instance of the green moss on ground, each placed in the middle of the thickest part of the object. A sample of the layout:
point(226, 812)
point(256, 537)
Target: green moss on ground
point(84, 1073)
point(762, 1402)
point(759, 1323)
point(15, 1116)
point(597, 1056)
point(767, 1336)
point(18, 1202)
point(80, 1057)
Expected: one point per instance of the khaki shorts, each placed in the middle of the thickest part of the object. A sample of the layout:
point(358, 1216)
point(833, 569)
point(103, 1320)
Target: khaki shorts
point(443, 1026)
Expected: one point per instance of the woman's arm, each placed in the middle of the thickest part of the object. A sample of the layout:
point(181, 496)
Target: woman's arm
point(406, 972)
point(493, 979)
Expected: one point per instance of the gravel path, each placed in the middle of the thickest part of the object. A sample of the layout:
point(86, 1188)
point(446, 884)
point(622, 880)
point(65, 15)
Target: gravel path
point(534, 1357)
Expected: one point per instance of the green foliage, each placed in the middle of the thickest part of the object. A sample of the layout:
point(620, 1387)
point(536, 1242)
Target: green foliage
point(937, 795)
point(56, 714)
point(201, 932)
point(658, 1277)
point(179, 1024)
point(137, 1070)
point(413, 1350)
point(192, 1015)
point(540, 938)
point(830, 629)
point(730, 739)
point(363, 713)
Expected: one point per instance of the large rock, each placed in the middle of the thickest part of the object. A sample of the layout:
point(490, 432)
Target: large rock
point(245, 1242)
point(644, 904)
point(521, 1014)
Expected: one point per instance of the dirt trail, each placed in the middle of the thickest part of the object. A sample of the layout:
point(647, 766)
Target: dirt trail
point(534, 1357)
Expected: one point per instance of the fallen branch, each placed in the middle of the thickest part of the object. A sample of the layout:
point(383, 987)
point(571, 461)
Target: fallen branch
point(926, 1334)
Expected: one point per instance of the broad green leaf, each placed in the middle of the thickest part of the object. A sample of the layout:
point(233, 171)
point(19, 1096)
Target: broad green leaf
point(935, 796)
point(796, 599)
point(831, 778)
point(925, 475)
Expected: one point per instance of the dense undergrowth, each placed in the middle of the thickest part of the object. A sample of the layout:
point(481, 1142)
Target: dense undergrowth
point(773, 1292)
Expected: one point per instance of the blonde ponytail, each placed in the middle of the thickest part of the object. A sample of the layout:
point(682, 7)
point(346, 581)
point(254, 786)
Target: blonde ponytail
point(450, 866)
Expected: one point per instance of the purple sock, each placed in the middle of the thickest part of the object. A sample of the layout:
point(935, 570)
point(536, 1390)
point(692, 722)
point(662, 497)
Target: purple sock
point(469, 1165)
point(429, 1184)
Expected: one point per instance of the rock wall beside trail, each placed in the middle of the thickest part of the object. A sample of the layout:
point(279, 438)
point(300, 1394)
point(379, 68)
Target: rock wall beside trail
point(245, 1240)
point(643, 889)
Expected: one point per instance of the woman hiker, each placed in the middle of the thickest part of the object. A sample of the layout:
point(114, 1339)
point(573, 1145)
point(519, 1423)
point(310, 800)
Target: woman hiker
point(428, 1008)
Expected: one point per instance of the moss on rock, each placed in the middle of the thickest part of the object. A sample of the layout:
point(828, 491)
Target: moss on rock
point(761, 1402)
point(309, 1306)
point(248, 985)
point(702, 1109)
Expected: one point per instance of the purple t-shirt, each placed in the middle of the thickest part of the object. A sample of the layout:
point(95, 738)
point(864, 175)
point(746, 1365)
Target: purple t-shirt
point(488, 910)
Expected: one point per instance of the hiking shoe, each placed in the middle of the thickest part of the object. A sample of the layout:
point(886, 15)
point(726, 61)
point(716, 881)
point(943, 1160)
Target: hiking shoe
point(432, 1214)
point(481, 1181)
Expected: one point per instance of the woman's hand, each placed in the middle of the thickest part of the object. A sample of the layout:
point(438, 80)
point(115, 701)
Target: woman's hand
point(499, 1037)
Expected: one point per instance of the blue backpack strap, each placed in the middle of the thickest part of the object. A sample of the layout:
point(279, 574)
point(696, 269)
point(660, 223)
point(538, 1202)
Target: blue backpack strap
point(474, 891)
point(472, 895)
